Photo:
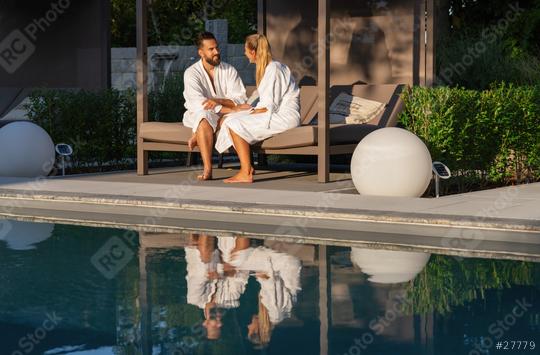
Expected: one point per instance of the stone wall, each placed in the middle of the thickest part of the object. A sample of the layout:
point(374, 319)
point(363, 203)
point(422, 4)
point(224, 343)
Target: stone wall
point(172, 60)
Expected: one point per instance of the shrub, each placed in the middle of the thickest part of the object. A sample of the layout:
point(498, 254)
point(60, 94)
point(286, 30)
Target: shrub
point(101, 126)
point(489, 137)
point(499, 61)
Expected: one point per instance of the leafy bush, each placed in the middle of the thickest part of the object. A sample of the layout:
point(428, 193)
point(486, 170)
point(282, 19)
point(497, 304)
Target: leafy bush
point(101, 126)
point(178, 21)
point(489, 137)
point(470, 60)
point(167, 103)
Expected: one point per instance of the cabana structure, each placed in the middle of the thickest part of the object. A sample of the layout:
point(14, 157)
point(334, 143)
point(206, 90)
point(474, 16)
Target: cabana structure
point(368, 48)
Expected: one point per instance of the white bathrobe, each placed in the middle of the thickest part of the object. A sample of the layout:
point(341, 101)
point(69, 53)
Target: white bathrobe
point(198, 88)
point(226, 291)
point(279, 290)
point(280, 95)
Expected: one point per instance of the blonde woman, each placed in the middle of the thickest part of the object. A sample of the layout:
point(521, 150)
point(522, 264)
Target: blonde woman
point(278, 109)
point(279, 277)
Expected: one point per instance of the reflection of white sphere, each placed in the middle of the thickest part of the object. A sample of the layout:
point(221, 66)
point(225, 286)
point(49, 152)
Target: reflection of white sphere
point(26, 150)
point(389, 266)
point(391, 162)
point(23, 235)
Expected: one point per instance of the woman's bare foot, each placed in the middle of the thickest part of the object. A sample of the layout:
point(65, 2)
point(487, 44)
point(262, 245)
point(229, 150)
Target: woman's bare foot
point(206, 175)
point(241, 178)
point(192, 142)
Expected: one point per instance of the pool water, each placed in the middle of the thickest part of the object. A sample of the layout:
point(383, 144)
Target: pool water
point(81, 290)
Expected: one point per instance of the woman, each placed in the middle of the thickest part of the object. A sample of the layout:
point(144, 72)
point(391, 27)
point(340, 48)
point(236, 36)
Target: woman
point(279, 277)
point(278, 109)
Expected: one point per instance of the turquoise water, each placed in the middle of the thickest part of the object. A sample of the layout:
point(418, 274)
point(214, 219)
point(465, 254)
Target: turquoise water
point(79, 290)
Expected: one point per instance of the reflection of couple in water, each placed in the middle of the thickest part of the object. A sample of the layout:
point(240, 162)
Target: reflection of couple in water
point(218, 272)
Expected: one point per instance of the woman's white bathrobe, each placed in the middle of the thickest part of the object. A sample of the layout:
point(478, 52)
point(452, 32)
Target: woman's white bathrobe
point(226, 290)
point(279, 94)
point(278, 291)
point(198, 88)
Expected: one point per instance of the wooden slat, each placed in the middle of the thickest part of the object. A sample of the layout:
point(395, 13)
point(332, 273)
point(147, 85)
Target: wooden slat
point(142, 83)
point(323, 82)
point(166, 147)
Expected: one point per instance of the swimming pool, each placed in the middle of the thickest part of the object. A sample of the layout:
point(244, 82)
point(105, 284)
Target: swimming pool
point(82, 290)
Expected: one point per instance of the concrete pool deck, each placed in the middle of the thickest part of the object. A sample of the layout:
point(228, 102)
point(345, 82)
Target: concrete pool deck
point(505, 220)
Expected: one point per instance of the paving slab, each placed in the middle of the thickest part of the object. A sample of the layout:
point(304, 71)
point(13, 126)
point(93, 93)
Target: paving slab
point(504, 221)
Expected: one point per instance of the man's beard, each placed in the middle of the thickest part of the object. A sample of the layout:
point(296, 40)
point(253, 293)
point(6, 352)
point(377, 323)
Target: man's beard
point(215, 61)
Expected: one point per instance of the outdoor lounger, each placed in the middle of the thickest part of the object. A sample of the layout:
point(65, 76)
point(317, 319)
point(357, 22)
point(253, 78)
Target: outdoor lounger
point(302, 140)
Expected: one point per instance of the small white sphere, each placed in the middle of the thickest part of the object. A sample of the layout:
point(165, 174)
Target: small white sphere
point(26, 150)
point(389, 266)
point(391, 162)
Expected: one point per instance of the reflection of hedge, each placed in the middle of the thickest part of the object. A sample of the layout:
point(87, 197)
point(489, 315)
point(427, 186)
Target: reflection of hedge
point(490, 137)
point(101, 125)
point(447, 282)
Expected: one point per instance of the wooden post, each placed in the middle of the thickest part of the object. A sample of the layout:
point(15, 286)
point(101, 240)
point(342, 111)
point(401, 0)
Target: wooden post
point(431, 35)
point(323, 82)
point(144, 302)
point(419, 45)
point(261, 17)
point(324, 287)
point(142, 83)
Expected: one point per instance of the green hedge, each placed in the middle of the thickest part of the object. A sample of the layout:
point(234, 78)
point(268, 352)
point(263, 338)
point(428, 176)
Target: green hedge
point(489, 137)
point(101, 126)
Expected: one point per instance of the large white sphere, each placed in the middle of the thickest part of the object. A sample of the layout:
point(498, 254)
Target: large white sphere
point(389, 266)
point(26, 150)
point(391, 162)
point(21, 235)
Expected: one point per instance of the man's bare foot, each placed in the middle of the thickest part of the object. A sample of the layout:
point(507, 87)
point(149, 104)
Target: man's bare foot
point(241, 178)
point(192, 142)
point(206, 175)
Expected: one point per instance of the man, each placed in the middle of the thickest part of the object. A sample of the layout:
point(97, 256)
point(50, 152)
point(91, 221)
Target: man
point(211, 89)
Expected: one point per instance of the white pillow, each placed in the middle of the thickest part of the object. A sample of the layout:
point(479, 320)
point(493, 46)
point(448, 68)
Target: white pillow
point(354, 109)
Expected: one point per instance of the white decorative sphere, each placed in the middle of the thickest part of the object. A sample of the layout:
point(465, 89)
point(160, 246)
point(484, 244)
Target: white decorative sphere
point(389, 266)
point(26, 150)
point(391, 162)
point(21, 235)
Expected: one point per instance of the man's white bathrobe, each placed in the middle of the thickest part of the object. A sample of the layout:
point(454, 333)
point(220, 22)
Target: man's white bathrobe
point(198, 88)
point(280, 95)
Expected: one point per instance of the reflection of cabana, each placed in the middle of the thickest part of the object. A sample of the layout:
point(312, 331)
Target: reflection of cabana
point(338, 42)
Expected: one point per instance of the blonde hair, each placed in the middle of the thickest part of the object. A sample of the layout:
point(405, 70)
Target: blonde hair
point(259, 43)
point(264, 326)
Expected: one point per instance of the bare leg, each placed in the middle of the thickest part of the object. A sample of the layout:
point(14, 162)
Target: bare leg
point(244, 154)
point(205, 140)
point(206, 245)
point(192, 142)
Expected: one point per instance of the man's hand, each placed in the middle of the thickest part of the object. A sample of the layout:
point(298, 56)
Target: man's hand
point(258, 110)
point(243, 107)
point(210, 104)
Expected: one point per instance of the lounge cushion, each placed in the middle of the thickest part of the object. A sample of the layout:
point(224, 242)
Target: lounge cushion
point(165, 132)
point(305, 136)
